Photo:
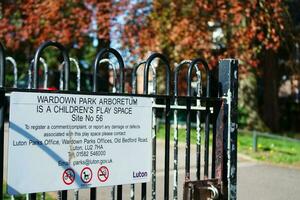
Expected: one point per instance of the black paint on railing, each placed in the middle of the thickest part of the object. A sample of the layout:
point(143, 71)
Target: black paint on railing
point(98, 58)
point(167, 118)
point(2, 110)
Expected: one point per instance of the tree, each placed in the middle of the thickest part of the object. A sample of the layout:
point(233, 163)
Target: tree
point(25, 24)
point(214, 29)
point(30, 22)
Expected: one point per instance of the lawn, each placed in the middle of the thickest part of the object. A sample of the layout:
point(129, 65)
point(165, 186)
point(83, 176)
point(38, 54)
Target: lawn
point(269, 150)
point(21, 197)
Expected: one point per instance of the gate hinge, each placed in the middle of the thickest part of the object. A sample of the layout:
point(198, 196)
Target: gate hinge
point(202, 190)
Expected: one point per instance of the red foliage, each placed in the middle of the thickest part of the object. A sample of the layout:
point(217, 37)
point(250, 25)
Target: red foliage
point(30, 22)
point(180, 28)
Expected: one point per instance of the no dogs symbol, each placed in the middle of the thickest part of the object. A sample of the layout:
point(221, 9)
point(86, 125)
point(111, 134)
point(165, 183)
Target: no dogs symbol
point(86, 175)
point(103, 174)
point(68, 176)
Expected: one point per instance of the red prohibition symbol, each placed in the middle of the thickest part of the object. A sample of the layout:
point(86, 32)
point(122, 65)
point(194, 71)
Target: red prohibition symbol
point(68, 176)
point(103, 174)
point(86, 175)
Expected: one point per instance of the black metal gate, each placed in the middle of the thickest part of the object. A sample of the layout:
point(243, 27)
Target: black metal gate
point(213, 115)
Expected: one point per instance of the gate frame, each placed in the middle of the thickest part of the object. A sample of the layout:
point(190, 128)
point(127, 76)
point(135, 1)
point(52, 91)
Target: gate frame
point(224, 163)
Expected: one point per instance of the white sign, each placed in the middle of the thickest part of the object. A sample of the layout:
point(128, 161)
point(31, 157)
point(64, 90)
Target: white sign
point(68, 141)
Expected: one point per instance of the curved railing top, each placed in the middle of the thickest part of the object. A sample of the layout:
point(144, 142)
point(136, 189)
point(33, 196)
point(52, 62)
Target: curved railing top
point(208, 75)
point(176, 73)
point(2, 65)
point(137, 66)
point(146, 71)
point(14, 64)
point(37, 58)
point(99, 57)
point(45, 65)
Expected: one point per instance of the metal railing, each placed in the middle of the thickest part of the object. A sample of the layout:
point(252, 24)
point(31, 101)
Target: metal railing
point(218, 111)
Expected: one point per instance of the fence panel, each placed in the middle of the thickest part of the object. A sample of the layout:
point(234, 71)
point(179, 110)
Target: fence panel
point(215, 117)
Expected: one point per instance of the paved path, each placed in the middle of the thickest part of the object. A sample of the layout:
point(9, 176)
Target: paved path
point(262, 182)
point(255, 180)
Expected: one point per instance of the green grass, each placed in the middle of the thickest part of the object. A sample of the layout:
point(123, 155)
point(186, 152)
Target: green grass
point(21, 197)
point(269, 150)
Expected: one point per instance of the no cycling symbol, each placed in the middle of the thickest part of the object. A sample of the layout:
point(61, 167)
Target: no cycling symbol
point(86, 175)
point(103, 174)
point(68, 176)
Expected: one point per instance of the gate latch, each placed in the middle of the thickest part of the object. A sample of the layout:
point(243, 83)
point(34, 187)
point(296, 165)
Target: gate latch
point(202, 190)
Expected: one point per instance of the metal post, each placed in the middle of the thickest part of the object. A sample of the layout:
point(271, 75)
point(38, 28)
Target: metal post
point(2, 109)
point(167, 117)
point(37, 57)
point(255, 138)
point(134, 91)
point(98, 59)
point(15, 85)
point(176, 73)
point(14, 64)
point(154, 128)
point(206, 145)
point(228, 83)
point(76, 192)
point(114, 90)
point(154, 124)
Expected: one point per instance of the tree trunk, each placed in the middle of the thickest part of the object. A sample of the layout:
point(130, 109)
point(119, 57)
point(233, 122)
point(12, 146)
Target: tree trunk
point(270, 95)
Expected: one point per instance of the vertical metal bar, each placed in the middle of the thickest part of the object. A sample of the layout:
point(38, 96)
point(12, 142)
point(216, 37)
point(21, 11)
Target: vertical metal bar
point(78, 76)
point(207, 119)
point(134, 91)
point(198, 126)
point(76, 192)
point(15, 85)
point(228, 81)
point(254, 142)
point(29, 86)
point(114, 90)
point(213, 157)
point(206, 142)
point(98, 58)
point(66, 78)
point(42, 60)
point(32, 196)
point(175, 164)
point(167, 148)
point(14, 64)
point(206, 145)
point(188, 140)
point(2, 68)
point(167, 125)
point(43, 197)
point(2, 110)
point(154, 81)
